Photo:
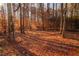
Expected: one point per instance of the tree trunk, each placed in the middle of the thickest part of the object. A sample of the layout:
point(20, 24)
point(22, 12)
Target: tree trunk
point(42, 14)
point(53, 9)
point(10, 22)
point(23, 17)
point(64, 22)
point(48, 15)
point(21, 25)
point(61, 21)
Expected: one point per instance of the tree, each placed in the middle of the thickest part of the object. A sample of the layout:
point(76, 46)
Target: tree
point(21, 18)
point(53, 9)
point(61, 21)
point(42, 14)
point(56, 11)
point(64, 20)
point(30, 17)
point(48, 14)
point(10, 22)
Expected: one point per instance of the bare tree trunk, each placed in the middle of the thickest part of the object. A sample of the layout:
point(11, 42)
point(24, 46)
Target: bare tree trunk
point(48, 14)
point(56, 11)
point(61, 21)
point(22, 14)
point(27, 14)
point(42, 14)
point(30, 17)
point(56, 18)
point(21, 25)
point(71, 15)
point(64, 22)
point(36, 13)
point(23, 17)
point(13, 21)
point(10, 22)
point(53, 16)
point(53, 9)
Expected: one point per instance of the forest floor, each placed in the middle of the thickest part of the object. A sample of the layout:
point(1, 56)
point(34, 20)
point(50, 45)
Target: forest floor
point(41, 43)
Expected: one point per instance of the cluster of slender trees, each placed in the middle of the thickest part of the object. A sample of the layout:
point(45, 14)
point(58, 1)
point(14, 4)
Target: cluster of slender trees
point(53, 15)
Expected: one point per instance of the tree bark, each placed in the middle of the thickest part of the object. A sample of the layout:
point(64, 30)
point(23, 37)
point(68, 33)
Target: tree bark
point(64, 22)
point(61, 21)
point(10, 22)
